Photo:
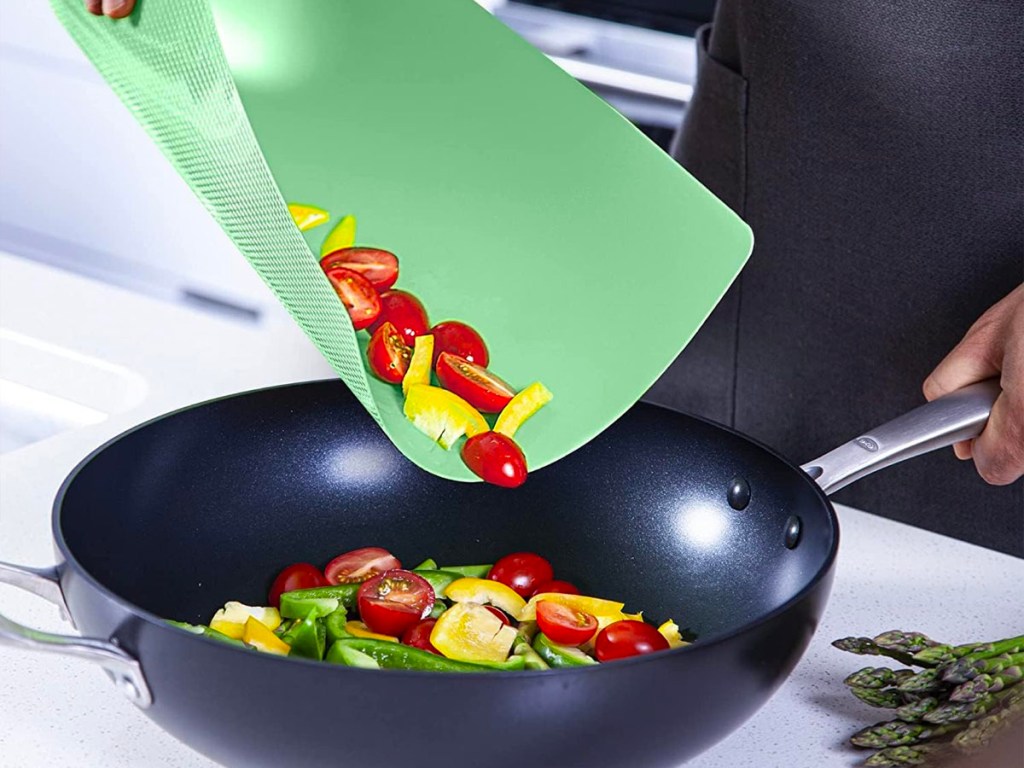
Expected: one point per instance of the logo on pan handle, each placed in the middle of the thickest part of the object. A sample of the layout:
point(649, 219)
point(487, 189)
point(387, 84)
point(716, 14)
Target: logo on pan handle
point(867, 444)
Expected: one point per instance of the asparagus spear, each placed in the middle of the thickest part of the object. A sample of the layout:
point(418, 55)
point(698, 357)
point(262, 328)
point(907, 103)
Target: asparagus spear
point(980, 732)
point(896, 733)
point(986, 683)
point(904, 642)
point(877, 677)
point(894, 757)
point(927, 681)
point(958, 711)
point(916, 710)
point(969, 667)
point(865, 646)
point(944, 654)
point(888, 698)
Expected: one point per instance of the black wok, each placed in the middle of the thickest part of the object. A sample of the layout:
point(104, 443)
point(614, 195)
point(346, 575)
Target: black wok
point(178, 515)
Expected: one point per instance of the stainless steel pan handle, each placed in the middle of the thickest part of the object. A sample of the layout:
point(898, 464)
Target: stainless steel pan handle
point(122, 667)
point(960, 415)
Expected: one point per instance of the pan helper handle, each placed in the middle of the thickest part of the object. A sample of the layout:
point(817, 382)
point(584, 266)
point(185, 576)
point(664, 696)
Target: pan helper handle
point(125, 670)
point(960, 415)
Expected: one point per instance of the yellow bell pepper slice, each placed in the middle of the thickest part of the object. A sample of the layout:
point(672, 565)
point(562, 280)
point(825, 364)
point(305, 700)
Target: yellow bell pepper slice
point(231, 619)
point(480, 591)
point(441, 415)
point(307, 216)
point(342, 236)
point(521, 407)
point(670, 631)
point(359, 629)
point(259, 637)
point(469, 632)
point(421, 363)
point(605, 611)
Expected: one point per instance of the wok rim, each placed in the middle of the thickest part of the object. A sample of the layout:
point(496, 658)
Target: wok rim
point(70, 561)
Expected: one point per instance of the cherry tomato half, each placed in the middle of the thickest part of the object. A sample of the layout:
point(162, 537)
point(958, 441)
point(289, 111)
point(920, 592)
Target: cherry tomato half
point(499, 614)
point(295, 576)
point(356, 293)
point(495, 459)
point(378, 266)
point(360, 565)
point(405, 312)
point(564, 625)
point(556, 585)
point(623, 639)
point(418, 636)
point(388, 354)
point(473, 383)
point(459, 339)
point(522, 571)
point(393, 601)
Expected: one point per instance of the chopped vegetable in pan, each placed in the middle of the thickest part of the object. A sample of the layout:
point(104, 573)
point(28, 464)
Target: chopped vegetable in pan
point(366, 611)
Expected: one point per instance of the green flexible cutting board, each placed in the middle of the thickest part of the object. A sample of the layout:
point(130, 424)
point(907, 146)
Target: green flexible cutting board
point(515, 199)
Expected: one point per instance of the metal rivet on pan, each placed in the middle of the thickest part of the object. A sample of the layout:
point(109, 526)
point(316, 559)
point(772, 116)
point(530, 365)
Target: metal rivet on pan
point(739, 493)
point(794, 526)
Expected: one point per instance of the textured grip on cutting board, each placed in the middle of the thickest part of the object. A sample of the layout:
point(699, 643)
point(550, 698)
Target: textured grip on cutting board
point(172, 74)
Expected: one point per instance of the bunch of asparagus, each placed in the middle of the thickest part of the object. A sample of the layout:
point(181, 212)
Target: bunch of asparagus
point(961, 696)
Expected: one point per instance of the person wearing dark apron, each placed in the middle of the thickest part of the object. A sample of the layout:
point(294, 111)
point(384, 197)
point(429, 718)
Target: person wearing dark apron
point(877, 151)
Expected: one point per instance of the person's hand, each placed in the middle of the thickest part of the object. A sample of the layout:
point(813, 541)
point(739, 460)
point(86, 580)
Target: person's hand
point(994, 346)
point(115, 9)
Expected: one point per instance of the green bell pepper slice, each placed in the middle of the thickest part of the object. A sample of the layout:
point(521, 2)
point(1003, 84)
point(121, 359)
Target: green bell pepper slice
point(472, 571)
point(531, 659)
point(301, 601)
point(430, 564)
point(307, 638)
point(334, 624)
point(350, 657)
point(398, 656)
point(560, 656)
point(439, 607)
point(205, 631)
point(439, 580)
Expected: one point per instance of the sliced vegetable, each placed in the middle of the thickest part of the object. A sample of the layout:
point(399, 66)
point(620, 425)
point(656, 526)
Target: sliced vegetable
point(556, 585)
point(256, 634)
point(405, 312)
point(486, 591)
point(378, 266)
point(605, 611)
point(495, 459)
point(306, 638)
point(419, 365)
point(356, 293)
point(342, 236)
point(232, 618)
point(502, 616)
point(521, 407)
point(564, 625)
point(359, 629)
point(418, 636)
point(359, 565)
point(392, 656)
point(294, 606)
point(388, 354)
point(439, 580)
point(393, 601)
point(441, 415)
point(473, 571)
point(469, 632)
point(473, 383)
point(342, 653)
point(670, 631)
point(531, 659)
point(459, 339)
point(560, 656)
point(345, 594)
point(296, 576)
point(430, 564)
point(522, 571)
point(623, 639)
point(335, 625)
point(439, 608)
point(213, 634)
point(307, 216)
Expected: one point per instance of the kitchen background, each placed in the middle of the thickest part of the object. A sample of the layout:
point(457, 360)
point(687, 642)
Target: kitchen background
point(69, 199)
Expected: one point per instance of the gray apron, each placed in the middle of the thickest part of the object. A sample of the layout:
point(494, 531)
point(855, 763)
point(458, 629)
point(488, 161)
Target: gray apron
point(876, 148)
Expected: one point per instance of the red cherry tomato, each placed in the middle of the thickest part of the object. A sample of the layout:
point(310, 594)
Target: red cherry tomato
point(628, 638)
point(495, 459)
point(356, 293)
point(418, 636)
point(360, 565)
point(473, 383)
point(459, 339)
point(393, 601)
point(388, 354)
point(378, 266)
point(522, 571)
point(556, 585)
point(500, 614)
point(296, 576)
point(405, 312)
point(564, 625)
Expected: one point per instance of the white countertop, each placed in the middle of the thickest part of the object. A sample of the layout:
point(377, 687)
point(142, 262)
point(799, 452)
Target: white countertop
point(58, 712)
